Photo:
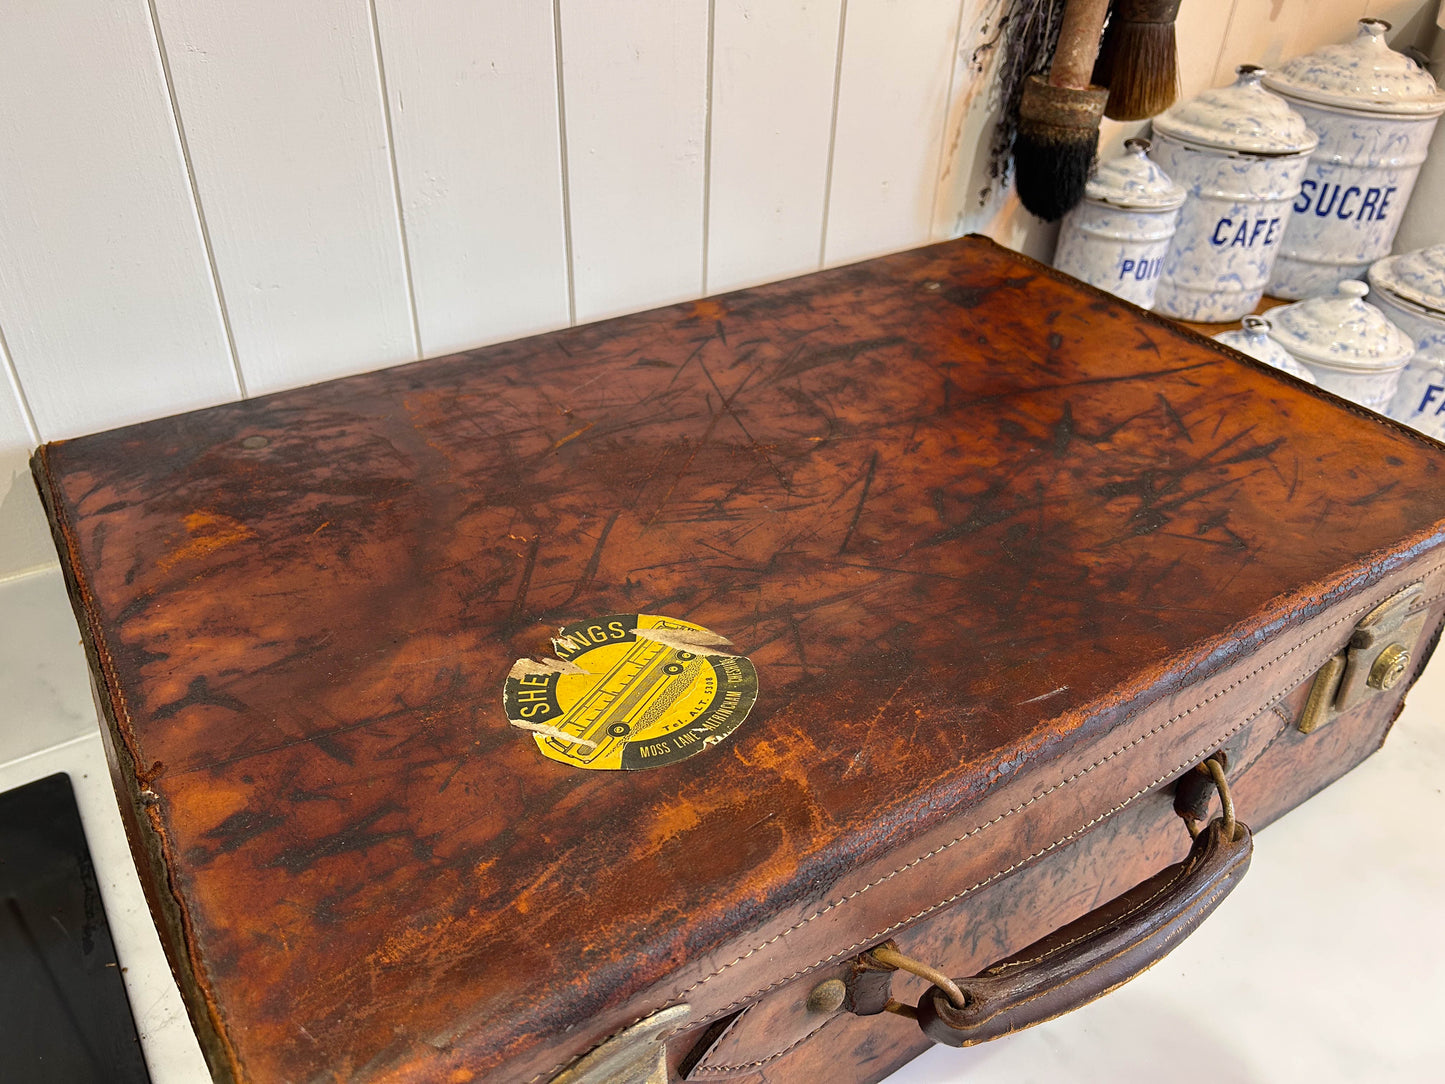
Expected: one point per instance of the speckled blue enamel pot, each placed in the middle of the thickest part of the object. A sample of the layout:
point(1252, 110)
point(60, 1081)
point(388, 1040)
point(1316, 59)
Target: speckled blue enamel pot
point(1410, 290)
point(1239, 152)
point(1374, 112)
point(1349, 345)
point(1252, 338)
point(1117, 237)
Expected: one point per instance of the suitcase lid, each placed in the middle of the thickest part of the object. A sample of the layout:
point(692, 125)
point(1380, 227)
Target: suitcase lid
point(959, 511)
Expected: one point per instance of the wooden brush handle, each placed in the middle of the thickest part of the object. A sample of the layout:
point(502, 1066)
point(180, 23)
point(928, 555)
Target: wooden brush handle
point(1079, 36)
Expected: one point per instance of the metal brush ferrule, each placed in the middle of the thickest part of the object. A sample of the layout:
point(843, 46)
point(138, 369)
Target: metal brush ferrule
point(1063, 107)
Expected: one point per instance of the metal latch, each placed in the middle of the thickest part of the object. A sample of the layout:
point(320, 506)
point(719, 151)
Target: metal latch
point(1375, 659)
point(635, 1055)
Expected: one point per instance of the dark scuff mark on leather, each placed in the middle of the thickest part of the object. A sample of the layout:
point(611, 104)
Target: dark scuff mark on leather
point(242, 826)
point(199, 692)
point(409, 524)
point(972, 296)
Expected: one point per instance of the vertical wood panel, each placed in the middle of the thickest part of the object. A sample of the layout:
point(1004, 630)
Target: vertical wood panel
point(772, 107)
point(24, 539)
point(105, 292)
point(1200, 32)
point(635, 87)
point(281, 109)
point(1412, 22)
point(473, 93)
point(1270, 31)
point(967, 198)
point(17, 435)
point(892, 100)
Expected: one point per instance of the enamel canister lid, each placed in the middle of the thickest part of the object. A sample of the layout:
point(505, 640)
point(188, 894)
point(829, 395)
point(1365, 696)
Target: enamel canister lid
point(1415, 276)
point(1252, 338)
point(1364, 74)
point(1134, 182)
point(1341, 331)
point(1242, 117)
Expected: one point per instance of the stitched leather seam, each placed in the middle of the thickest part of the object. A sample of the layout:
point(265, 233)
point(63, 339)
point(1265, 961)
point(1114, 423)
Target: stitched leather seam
point(1007, 813)
point(771, 1057)
point(1185, 869)
point(1024, 805)
point(1175, 931)
point(1172, 932)
point(995, 876)
point(108, 683)
point(1424, 603)
point(677, 997)
point(729, 1030)
point(1003, 968)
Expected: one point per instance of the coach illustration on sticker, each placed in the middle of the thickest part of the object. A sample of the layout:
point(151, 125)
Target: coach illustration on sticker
point(631, 691)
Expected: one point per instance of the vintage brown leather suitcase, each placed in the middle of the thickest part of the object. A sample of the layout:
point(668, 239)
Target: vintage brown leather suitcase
point(1002, 562)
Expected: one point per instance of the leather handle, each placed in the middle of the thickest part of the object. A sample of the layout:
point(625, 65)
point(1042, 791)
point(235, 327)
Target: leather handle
point(1093, 955)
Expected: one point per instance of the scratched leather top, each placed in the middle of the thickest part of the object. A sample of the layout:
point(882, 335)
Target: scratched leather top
point(944, 500)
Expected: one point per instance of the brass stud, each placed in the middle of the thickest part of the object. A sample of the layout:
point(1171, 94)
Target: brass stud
point(1389, 667)
point(827, 996)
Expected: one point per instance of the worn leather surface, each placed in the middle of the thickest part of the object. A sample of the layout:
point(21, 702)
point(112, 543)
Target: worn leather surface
point(1273, 769)
point(1006, 554)
point(1097, 952)
point(775, 1040)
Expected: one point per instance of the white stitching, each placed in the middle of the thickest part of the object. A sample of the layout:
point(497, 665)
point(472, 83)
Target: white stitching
point(1024, 805)
point(771, 1057)
point(676, 998)
point(1019, 808)
point(1210, 747)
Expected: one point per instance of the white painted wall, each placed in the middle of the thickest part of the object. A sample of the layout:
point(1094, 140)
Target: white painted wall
point(201, 199)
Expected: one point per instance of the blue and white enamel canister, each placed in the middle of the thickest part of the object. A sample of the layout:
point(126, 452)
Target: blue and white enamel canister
point(1117, 237)
point(1374, 111)
point(1410, 290)
point(1348, 344)
point(1240, 152)
point(1252, 338)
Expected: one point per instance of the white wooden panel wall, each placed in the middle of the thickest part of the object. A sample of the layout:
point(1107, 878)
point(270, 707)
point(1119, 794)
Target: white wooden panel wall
point(773, 89)
point(473, 95)
point(282, 113)
point(24, 544)
point(1269, 31)
point(960, 204)
point(893, 95)
point(17, 432)
point(634, 78)
point(287, 191)
point(1200, 30)
point(1411, 22)
point(106, 298)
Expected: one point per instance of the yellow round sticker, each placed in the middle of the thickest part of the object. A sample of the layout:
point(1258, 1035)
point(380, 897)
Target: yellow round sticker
point(631, 691)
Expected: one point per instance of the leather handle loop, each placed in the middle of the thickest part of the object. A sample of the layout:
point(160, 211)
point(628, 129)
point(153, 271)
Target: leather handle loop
point(1096, 953)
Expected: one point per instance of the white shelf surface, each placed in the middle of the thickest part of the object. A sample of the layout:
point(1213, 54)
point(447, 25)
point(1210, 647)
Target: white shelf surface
point(1326, 965)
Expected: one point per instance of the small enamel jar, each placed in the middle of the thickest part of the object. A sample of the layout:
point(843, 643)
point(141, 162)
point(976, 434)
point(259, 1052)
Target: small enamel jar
point(1374, 111)
point(1348, 344)
point(1410, 290)
point(1252, 338)
point(1116, 239)
point(1239, 151)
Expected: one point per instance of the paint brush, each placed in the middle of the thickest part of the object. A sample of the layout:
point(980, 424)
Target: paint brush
point(1139, 60)
point(1058, 128)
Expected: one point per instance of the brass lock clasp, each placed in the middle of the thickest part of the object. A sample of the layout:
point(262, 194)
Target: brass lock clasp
point(1378, 655)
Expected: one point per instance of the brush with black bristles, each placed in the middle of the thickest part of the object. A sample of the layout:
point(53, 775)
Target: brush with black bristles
point(1139, 60)
point(1058, 129)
